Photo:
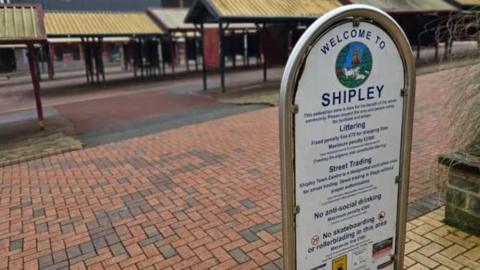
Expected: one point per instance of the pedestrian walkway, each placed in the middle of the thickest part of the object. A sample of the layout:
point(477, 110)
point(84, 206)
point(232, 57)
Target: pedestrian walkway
point(204, 196)
point(433, 245)
point(196, 197)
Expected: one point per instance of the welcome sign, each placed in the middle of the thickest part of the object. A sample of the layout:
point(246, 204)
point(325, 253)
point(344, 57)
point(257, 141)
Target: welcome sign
point(346, 117)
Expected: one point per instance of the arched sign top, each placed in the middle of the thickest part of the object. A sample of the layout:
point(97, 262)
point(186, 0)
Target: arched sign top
point(346, 114)
point(349, 12)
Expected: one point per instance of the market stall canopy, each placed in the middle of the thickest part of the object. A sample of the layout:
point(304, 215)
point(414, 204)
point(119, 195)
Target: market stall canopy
point(466, 4)
point(407, 6)
point(170, 19)
point(79, 40)
point(210, 11)
point(104, 24)
point(21, 24)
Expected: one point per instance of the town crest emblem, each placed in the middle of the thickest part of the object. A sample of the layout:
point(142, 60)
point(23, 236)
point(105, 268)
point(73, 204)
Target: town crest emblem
point(354, 64)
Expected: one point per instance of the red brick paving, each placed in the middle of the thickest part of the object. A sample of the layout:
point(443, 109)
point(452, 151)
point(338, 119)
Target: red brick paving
point(431, 132)
point(205, 196)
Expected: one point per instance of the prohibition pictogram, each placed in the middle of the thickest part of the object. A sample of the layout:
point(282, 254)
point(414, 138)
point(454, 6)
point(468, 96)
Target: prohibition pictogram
point(315, 240)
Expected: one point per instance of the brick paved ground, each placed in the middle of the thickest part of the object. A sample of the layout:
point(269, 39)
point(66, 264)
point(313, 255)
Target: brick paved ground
point(201, 195)
point(430, 129)
point(198, 197)
point(433, 245)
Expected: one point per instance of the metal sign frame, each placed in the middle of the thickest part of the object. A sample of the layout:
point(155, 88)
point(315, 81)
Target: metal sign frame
point(288, 109)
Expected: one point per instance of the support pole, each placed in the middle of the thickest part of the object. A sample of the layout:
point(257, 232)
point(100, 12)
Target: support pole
point(90, 59)
point(245, 48)
point(204, 67)
point(133, 52)
point(157, 57)
point(222, 56)
point(248, 55)
point(173, 55)
point(85, 55)
point(263, 53)
point(125, 57)
point(96, 54)
point(164, 69)
point(140, 60)
point(234, 49)
point(48, 55)
point(36, 84)
point(436, 51)
point(100, 57)
point(37, 63)
point(186, 50)
point(445, 57)
point(195, 38)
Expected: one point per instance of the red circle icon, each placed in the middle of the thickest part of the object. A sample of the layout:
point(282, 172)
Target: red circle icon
point(315, 240)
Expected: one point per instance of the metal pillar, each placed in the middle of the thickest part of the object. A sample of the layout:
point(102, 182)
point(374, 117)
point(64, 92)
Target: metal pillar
point(445, 57)
point(48, 55)
point(195, 38)
point(36, 84)
point(245, 48)
point(85, 55)
point(141, 48)
point(173, 55)
point(263, 53)
point(38, 59)
point(97, 61)
point(222, 56)
point(133, 53)
point(234, 49)
point(186, 51)
point(204, 67)
point(90, 57)
point(100, 58)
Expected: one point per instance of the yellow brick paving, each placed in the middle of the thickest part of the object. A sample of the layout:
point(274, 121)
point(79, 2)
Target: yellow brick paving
point(433, 245)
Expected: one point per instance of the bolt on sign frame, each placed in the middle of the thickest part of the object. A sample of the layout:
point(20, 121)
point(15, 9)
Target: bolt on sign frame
point(293, 72)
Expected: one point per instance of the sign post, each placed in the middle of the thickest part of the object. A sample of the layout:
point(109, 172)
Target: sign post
point(346, 115)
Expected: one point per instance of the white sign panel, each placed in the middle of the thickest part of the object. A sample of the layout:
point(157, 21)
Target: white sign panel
point(347, 150)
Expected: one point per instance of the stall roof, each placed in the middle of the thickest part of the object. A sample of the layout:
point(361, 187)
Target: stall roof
point(466, 3)
point(21, 24)
point(258, 10)
point(79, 40)
point(407, 6)
point(81, 24)
point(170, 18)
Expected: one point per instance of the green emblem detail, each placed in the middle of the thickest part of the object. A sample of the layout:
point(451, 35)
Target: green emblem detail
point(354, 64)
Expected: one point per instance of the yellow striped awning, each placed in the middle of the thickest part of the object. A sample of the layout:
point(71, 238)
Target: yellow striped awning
point(212, 10)
point(408, 5)
point(20, 23)
point(170, 18)
point(74, 24)
point(468, 2)
point(274, 8)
